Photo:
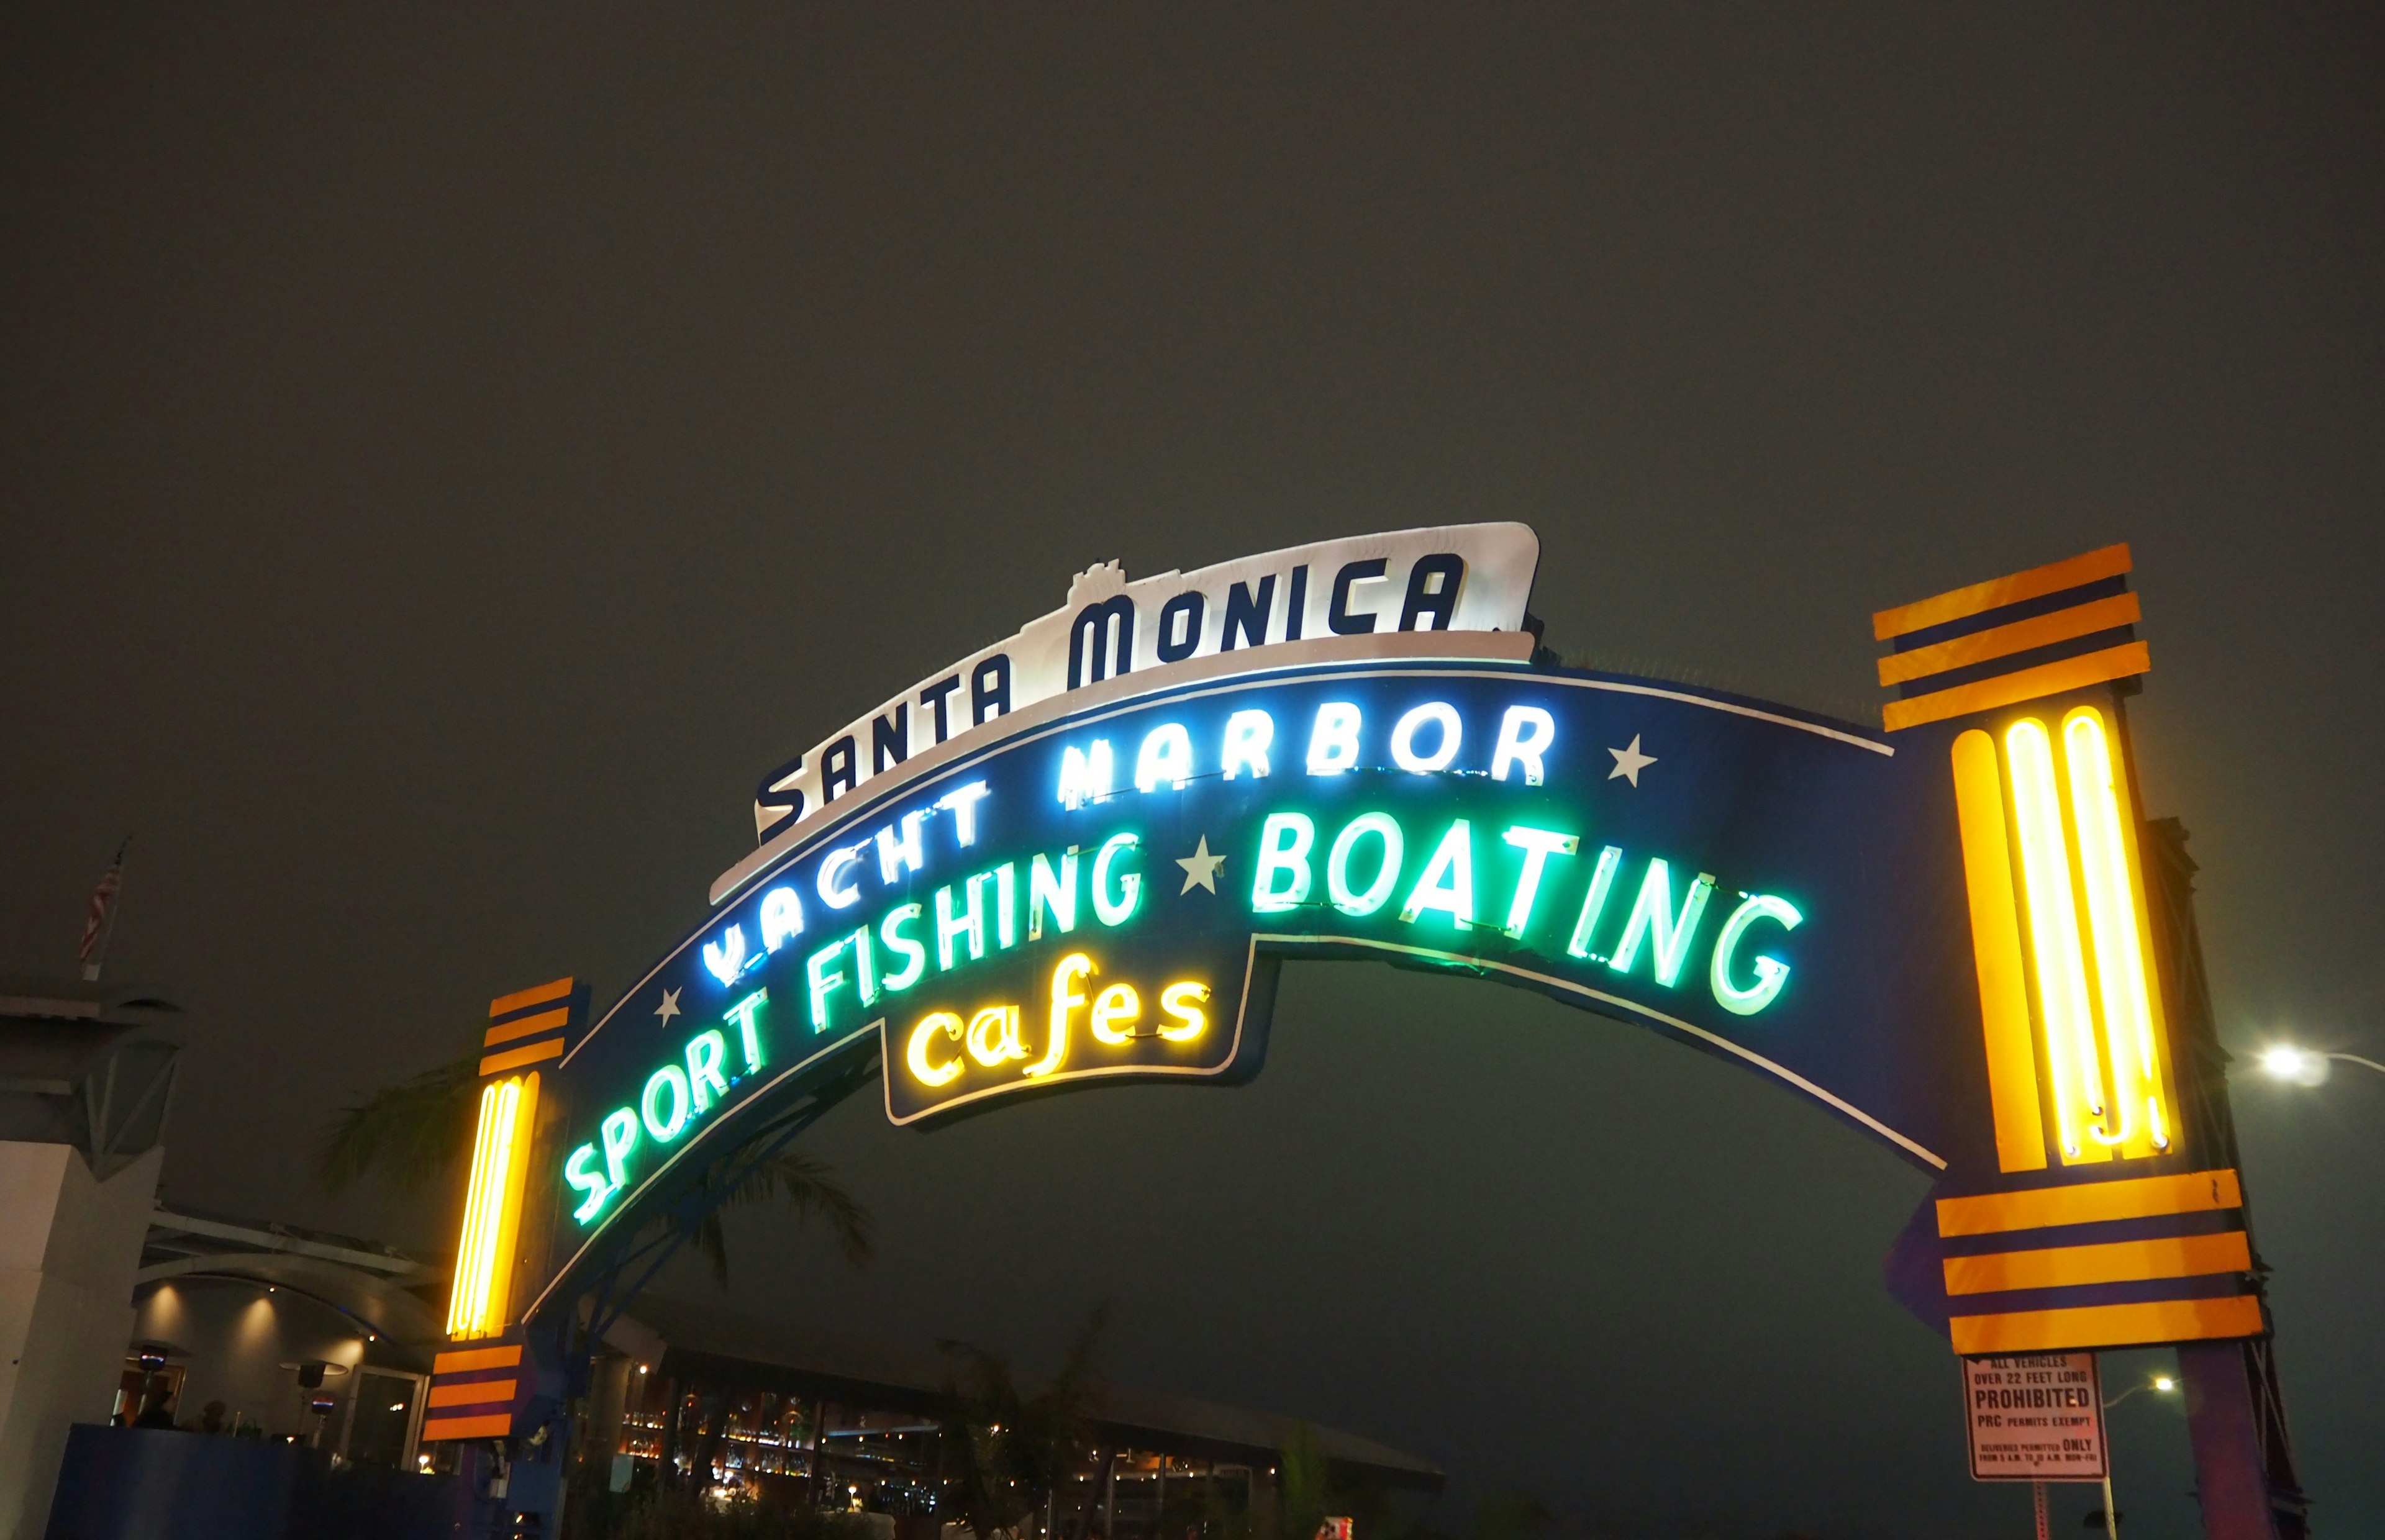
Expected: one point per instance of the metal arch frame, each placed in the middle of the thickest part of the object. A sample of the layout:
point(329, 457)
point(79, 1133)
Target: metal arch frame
point(674, 1223)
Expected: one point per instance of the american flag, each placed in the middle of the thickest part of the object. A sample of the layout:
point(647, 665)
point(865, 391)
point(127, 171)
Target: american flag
point(102, 898)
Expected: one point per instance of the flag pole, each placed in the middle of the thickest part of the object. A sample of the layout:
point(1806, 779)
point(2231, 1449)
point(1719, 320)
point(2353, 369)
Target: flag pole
point(106, 901)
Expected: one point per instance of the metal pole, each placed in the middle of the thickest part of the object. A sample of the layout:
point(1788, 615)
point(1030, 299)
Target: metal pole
point(2111, 1517)
point(2036, 1499)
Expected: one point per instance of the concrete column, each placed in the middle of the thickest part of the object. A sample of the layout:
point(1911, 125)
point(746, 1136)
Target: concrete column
point(69, 1247)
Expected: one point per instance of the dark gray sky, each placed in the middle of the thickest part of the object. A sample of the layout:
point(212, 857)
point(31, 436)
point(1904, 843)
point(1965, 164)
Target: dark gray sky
point(446, 457)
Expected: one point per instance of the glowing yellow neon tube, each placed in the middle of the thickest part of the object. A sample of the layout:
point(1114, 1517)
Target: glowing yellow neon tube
point(2063, 1005)
point(2111, 923)
point(1995, 950)
point(491, 1206)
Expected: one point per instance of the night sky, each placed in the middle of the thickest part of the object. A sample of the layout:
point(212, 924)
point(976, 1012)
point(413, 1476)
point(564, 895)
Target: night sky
point(445, 458)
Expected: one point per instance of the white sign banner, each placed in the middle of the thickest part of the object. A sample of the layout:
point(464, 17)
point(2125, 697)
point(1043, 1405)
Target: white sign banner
point(2038, 1417)
point(1454, 578)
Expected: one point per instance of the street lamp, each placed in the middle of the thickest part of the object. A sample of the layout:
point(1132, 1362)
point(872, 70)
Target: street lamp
point(2305, 1066)
point(2160, 1385)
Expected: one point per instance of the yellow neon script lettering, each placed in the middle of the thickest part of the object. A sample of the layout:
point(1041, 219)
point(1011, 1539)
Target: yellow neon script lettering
point(1183, 1000)
point(993, 1036)
point(1116, 1003)
point(922, 1039)
point(1066, 998)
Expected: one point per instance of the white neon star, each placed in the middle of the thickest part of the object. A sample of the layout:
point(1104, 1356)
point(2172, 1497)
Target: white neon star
point(669, 1007)
point(1630, 762)
point(1200, 868)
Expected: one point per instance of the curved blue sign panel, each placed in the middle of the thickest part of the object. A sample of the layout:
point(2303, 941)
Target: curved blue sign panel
point(1160, 792)
point(1106, 892)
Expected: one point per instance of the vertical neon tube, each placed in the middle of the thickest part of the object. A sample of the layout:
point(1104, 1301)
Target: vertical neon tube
point(2112, 922)
point(459, 1302)
point(485, 1202)
point(1996, 952)
point(2053, 939)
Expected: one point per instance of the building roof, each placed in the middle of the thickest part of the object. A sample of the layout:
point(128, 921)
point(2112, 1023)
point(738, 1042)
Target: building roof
point(689, 1339)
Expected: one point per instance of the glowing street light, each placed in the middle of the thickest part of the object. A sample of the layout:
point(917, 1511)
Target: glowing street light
point(2303, 1066)
point(2160, 1385)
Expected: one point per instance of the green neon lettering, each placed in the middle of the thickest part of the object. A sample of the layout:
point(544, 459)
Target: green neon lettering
point(577, 1171)
point(1447, 883)
point(704, 1081)
point(1771, 974)
point(865, 966)
point(1056, 895)
point(742, 1015)
point(913, 956)
point(1652, 919)
point(1386, 872)
point(971, 924)
point(619, 1132)
point(1117, 911)
point(671, 1079)
point(1537, 845)
point(1602, 882)
point(1285, 840)
point(826, 977)
point(1005, 905)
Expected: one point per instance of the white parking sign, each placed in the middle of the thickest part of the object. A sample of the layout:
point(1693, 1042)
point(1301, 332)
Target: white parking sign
point(2034, 1417)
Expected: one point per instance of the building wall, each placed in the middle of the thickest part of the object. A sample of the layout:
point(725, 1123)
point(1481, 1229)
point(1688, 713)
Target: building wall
point(69, 1247)
point(232, 1336)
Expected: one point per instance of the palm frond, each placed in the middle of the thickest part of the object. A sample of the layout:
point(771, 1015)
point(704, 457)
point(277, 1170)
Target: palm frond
point(809, 1186)
point(409, 1134)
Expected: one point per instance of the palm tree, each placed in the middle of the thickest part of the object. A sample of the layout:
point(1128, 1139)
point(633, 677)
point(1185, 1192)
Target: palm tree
point(1005, 1453)
point(413, 1135)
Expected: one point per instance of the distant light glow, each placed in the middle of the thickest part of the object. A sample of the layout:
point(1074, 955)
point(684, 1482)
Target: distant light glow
point(2296, 1066)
